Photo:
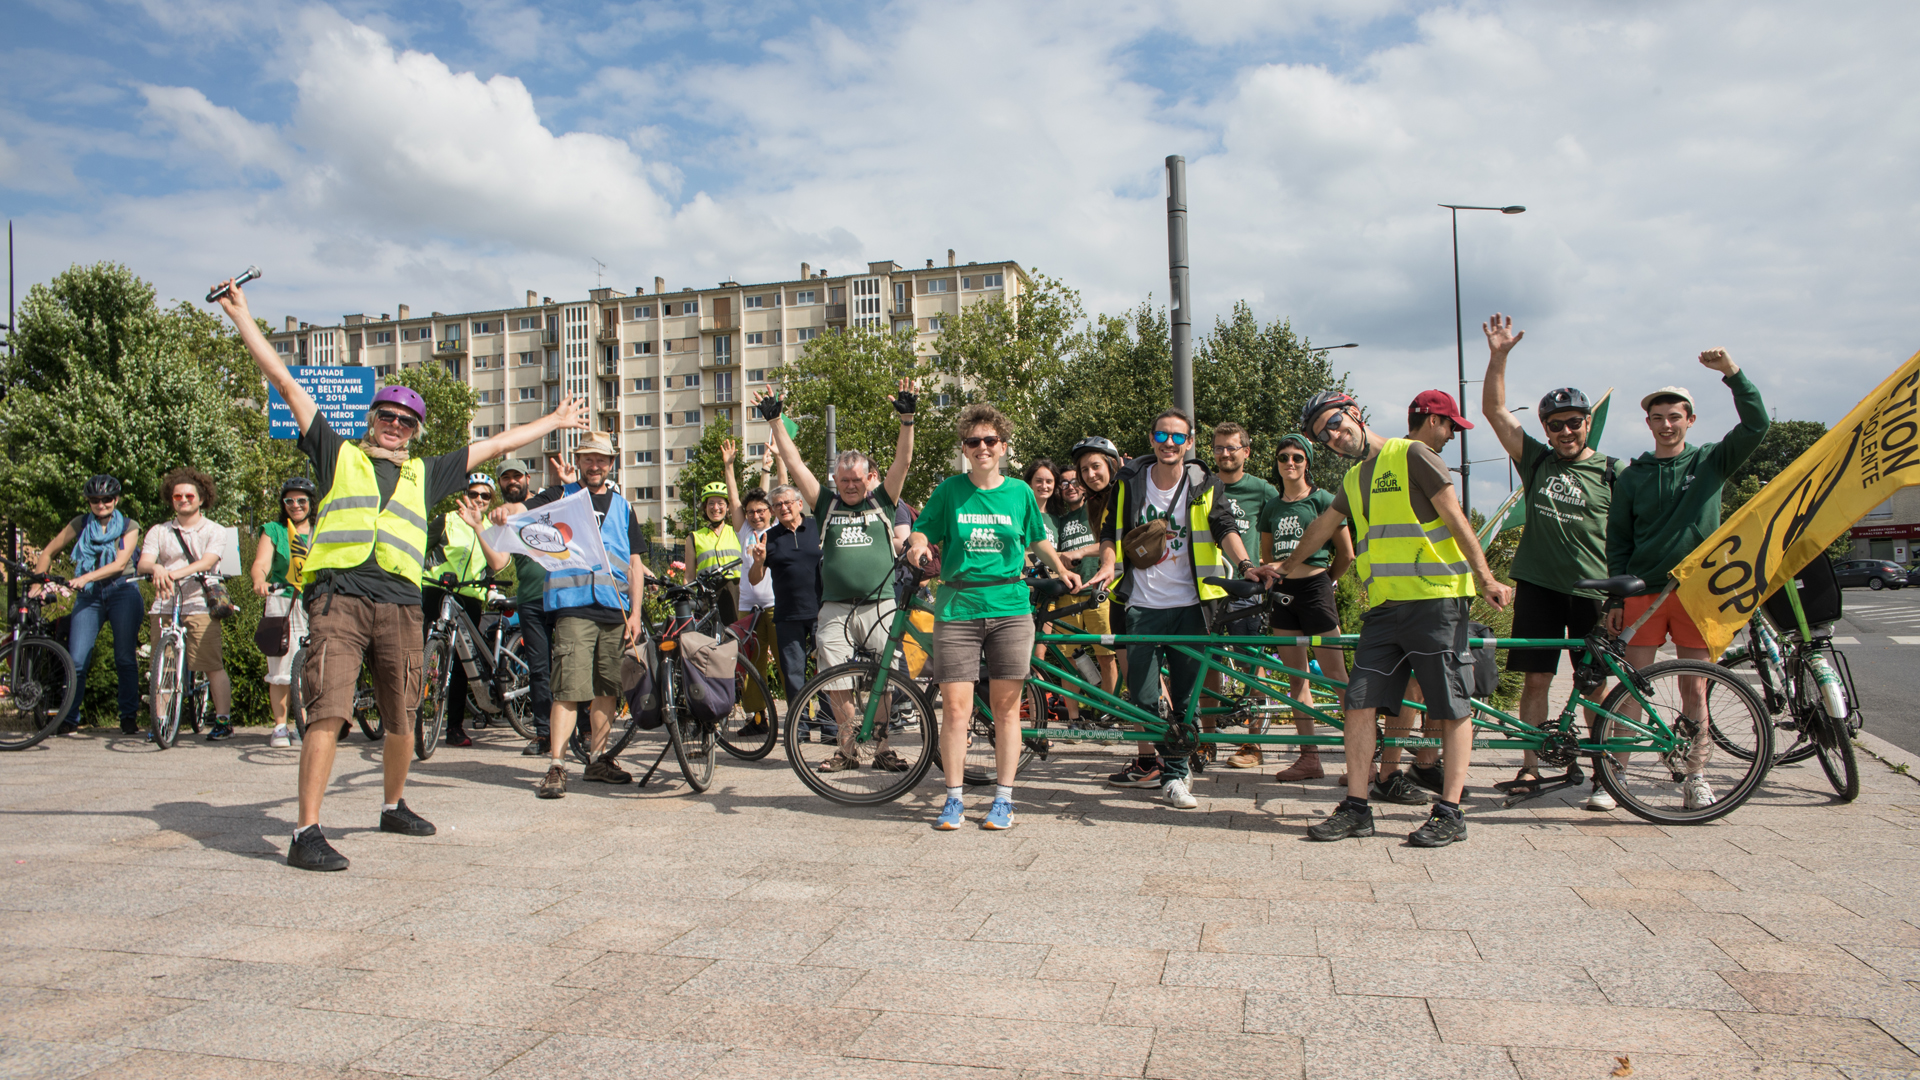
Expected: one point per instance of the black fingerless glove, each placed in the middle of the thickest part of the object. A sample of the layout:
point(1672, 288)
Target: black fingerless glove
point(769, 408)
point(903, 402)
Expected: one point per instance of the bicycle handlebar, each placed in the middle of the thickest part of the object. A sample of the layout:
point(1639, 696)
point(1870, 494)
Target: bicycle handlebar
point(33, 577)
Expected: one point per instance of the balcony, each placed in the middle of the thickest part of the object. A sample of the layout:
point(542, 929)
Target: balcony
point(723, 324)
point(450, 347)
point(553, 372)
point(610, 367)
point(721, 396)
point(549, 337)
point(608, 333)
point(609, 403)
point(905, 308)
point(837, 313)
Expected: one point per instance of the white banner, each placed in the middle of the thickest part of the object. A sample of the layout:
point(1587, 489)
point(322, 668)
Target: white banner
point(562, 535)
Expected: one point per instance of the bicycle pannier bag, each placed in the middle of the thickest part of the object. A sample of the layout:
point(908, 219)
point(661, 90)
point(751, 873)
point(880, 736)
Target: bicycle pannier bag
point(274, 634)
point(709, 664)
point(1146, 544)
point(1819, 598)
point(1485, 681)
point(642, 689)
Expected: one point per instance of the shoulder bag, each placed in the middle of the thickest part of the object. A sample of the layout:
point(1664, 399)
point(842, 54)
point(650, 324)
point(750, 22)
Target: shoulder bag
point(1146, 544)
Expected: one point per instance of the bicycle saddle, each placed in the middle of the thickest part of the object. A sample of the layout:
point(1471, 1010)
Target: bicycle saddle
point(1624, 585)
point(1239, 588)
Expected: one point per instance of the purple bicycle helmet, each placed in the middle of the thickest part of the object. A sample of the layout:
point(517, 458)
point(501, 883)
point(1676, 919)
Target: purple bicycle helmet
point(403, 397)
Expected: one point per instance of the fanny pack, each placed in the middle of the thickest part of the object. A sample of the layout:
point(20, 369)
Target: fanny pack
point(1146, 544)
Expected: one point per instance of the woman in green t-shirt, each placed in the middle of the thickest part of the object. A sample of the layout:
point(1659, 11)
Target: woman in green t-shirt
point(1312, 610)
point(276, 568)
point(984, 524)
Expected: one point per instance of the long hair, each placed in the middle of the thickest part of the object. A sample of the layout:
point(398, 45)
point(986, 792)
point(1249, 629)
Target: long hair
point(1053, 500)
point(1099, 503)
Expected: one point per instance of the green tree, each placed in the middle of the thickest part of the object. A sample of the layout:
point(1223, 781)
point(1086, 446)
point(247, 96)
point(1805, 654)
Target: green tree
point(450, 404)
point(707, 465)
point(1783, 443)
point(1261, 377)
point(857, 372)
point(1012, 356)
point(1116, 379)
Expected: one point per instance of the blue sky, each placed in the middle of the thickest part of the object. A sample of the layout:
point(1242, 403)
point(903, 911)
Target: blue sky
point(1697, 174)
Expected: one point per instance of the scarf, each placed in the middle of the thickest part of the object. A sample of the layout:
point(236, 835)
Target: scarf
point(376, 452)
point(99, 544)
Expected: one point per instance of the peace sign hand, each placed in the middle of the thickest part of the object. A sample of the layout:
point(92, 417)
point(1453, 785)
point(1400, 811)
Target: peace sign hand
point(567, 473)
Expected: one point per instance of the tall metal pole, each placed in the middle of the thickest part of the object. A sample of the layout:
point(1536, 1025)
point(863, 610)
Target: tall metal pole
point(13, 322)
point(833, 441)
point(1181, 299)
point(1460, 361)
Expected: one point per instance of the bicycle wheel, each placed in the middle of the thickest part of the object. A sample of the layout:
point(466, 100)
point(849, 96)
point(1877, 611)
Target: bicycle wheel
point(842, 695)
point(515, 686)
point(1787, 726)
point(981, 767)
point(1647, 780)
point(1831, 741)
point(36, 689)
point(693, 740)
point(749, 734)
point(366, 706)
point(436, 676)
point(169, 694)
point(296, 675)
point(197, 706)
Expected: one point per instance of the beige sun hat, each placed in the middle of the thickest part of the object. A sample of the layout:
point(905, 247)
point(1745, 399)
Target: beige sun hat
point(596, 443)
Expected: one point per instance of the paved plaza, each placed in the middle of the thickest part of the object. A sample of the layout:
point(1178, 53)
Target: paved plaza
point(152, 929)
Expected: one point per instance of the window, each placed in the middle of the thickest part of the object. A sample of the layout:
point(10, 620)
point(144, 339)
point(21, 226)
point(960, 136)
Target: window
point(690, 307)
point(483, 397)
point(486, 328)
point(479, 363)
point(757, 339)
point(453, 331)
point(756, 449)
point(756, 301)
point(643, 386)
point(640, 312)
point(806, 333)
point(670, 491)
point(643, 348)
point(283, 347)
point(936, 285)
point(669, 382)
point(382, 337)
point(756, 374)
point(806, 296)
point(836, 296)
point(691, 382)
point(642, 420)
point(723, 386)
point(937, 323)
point(417, 333)
point(992, 281)
point(776, 337)
point(902, 324)
point(529, 393)
point(723, 349)
point(942, 400)
point(672, 455)
point(481, 431)
point(643, 494)
point(643, 457)
point(529, 323)
point(526, 359)
point(383, 370)
point(693, 418)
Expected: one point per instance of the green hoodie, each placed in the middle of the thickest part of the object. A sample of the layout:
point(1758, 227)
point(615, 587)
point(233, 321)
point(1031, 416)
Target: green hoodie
point(1664, 507)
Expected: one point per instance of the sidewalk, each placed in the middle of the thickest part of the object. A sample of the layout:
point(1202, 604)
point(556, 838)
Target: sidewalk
point(153, 930)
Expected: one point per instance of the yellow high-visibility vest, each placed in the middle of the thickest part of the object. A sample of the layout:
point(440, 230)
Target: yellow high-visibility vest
point(715, 544)
point(464, 558)
point(1399, 556)
point(351, 523)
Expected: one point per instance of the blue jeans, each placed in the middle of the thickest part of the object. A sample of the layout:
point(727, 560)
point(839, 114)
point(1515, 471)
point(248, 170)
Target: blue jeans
point(1183, 671)
point(117, 602)
point(536, 636)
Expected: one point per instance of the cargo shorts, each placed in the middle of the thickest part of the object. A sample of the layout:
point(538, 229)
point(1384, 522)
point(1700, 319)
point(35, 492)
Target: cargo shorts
point(346, 631)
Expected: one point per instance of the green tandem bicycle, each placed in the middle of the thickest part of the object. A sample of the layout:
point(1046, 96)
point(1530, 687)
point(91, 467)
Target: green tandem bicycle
point(1650, 728)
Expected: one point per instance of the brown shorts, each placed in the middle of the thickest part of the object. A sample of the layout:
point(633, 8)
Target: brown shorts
point(203, 640)
point(342, 632)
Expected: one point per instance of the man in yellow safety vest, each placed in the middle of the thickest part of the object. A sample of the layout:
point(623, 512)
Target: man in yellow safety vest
point(1419, 562)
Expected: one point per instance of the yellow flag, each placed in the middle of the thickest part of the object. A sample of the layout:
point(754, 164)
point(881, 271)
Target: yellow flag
point(1868, 456)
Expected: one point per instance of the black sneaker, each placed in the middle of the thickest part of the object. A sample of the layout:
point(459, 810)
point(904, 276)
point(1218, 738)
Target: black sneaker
point(1346, 820)
point(1440, 830)
point(751, 730)
point(68, 727)
point(535, 748)
point(220, 731)
point(1396, 788)
point(310, 851)
point(405, 822)
point(129, 725)
point(1432, 777)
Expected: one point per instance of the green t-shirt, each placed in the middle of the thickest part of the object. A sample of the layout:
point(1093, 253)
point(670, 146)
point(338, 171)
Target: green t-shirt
point(1076, 531)
point(1287, 521)
point(1052, 530)
point(983, 535)
point(1247, 497)
point(1566, 537)
point(856, 547)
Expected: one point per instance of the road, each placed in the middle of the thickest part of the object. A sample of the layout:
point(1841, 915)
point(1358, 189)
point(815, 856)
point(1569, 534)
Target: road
point(1880, 636)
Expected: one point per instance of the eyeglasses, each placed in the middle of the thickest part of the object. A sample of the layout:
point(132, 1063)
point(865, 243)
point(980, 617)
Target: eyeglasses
point(1177, 438)
point(1069, 483)
point(1293, 459)
point(300, 500)
point(1575, 424)
point(404, 420)
point(974, 442)
point(1230, 448)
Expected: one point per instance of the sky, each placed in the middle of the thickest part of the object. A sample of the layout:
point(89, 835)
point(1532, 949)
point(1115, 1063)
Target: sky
point(1696, 175)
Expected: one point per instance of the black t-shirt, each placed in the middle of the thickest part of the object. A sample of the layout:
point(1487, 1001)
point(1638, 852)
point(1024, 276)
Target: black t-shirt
point(445, 475)
point(793, 562)
point(602, 502)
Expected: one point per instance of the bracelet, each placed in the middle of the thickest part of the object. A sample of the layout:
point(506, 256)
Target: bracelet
point(906, 421)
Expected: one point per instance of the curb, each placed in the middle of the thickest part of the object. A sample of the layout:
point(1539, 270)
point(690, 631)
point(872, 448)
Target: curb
point(1889, 754)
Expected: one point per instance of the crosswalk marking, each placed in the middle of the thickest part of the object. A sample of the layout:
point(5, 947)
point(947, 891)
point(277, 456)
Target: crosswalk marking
point(1899, 640)
point(1846, 641)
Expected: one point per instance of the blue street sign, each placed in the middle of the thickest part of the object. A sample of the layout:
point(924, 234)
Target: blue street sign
point(344, 395)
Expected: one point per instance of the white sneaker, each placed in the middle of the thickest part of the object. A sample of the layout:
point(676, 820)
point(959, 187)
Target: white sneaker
point(1600, 799)
point(281, 738)
point(1697, 794)
point(1178, 796)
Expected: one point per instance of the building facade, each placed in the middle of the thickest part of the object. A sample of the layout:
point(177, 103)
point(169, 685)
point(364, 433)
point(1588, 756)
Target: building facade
point(655, 367)
point(1890, 530)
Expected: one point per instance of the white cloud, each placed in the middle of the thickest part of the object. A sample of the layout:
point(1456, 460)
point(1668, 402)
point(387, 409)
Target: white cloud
point(204, 128)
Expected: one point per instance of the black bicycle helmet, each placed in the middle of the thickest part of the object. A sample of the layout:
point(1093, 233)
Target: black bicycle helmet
point(1093, 444)
point(1321, 402)
point(102, 486)
point(301, 484)
point(1563, 399)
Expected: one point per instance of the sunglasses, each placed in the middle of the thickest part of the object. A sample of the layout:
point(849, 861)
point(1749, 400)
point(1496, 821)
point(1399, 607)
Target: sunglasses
point(297, 501)
point(1334, 422)
point(404, 420)
point(1575, 424)
point(1293, 459)
point(973, 442)
point(1177, 438)
point(190, 496)
point(109, 501)
point(483, 496)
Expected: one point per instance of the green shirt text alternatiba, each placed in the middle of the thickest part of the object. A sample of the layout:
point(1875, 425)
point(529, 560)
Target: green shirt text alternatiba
point(1287, 521)
point(1076, 531)
point(856, 548)
point(1566, 525)
point(983, 535)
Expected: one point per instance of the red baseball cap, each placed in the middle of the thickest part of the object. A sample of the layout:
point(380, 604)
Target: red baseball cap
point(1440, 403)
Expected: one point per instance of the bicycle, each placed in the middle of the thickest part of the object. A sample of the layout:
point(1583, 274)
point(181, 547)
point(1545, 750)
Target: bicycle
point(179, 694)
point(1810, 696)
point(755, 738)
point(1643, 744)
point(498, 680)
point(37, 683)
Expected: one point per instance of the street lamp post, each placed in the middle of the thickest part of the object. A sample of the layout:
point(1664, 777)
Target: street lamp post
point(1460, 343)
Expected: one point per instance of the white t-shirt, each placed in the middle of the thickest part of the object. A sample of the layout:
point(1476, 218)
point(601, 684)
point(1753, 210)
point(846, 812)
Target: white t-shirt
point(207, 538)
point(1168, 583)
point(751, 595)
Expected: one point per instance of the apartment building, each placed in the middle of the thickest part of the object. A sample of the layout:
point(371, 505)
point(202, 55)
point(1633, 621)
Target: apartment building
point(656, 367)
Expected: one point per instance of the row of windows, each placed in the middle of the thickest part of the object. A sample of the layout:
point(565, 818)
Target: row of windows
point(689, 418)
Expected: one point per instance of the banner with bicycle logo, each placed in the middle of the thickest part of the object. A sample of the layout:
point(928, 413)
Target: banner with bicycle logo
point(562, 535)
point(1855, 467)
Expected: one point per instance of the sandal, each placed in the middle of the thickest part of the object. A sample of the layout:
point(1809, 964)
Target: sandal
point(1525, 782)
